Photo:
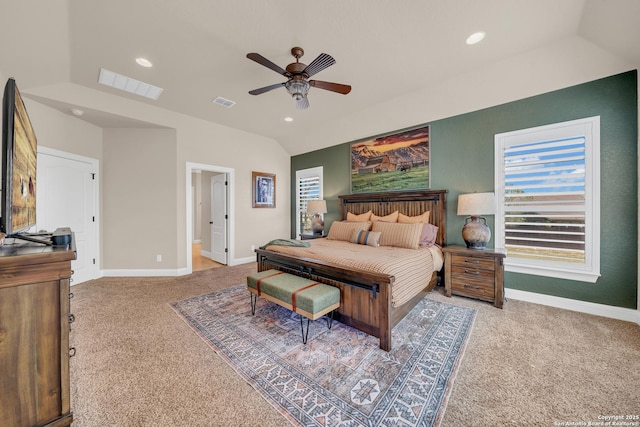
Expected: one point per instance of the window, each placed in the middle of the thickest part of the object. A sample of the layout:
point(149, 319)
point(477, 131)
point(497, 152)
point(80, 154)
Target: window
point(548, 199)
point(308, 187)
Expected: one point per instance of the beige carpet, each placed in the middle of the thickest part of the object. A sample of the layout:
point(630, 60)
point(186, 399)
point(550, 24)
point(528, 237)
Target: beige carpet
point(138, 364)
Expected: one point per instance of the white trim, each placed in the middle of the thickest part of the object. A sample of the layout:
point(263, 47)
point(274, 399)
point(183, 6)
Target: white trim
point(145, 272)
point(590, 129)
point(583, 276)
point(193, 167)
point(620, 313)
point(245, 260)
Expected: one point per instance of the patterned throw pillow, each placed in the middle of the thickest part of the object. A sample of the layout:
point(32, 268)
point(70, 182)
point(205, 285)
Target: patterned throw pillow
point(393, 217)
point(362, 217)
point(429, 234)
point(424, 218)
point(399, 235)
point(343, 230)
point(363, 237)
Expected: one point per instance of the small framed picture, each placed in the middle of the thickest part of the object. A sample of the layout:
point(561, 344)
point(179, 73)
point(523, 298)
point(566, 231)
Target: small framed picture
point(263, 190)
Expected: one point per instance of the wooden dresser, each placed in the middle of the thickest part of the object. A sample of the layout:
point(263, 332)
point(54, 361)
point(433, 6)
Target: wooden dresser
point(474, 273)
point(34, 334)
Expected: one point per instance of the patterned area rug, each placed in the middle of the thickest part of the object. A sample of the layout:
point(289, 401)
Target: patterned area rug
point(341, 377)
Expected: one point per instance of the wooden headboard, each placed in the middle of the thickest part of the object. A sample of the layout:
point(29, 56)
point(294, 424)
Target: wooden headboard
point(411, 203)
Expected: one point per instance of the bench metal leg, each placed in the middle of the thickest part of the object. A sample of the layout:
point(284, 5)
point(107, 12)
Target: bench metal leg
point(304, 335)
point(254, 301)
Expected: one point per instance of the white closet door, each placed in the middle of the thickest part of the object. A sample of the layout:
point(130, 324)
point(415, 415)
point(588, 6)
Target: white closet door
point(65, 197)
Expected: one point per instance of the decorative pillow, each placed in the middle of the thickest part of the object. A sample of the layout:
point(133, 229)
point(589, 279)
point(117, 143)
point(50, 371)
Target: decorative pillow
point(362, 217)
point(343, 230)
point(429, 234)
point(388, 218)
point(363, 237)
point(424, 218)
point(399, 235)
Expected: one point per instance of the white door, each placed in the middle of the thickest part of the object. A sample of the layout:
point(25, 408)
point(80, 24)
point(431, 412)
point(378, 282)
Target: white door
point(66, 197)
point(219, 218)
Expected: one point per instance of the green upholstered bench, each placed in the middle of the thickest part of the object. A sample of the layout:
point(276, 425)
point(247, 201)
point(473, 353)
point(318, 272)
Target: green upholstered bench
point(303, 296)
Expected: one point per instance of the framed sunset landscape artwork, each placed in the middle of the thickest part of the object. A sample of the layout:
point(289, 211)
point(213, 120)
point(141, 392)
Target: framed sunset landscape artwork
point(394, 162)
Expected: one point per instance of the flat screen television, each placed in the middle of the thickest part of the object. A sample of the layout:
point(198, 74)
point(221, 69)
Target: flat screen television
point(19, 155)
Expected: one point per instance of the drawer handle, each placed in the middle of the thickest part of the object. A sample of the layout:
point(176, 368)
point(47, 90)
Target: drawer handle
point(472, 261)
point(466, 285)
point(472, 272)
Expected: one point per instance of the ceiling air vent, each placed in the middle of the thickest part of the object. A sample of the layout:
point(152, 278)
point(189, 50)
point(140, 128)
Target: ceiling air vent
point(224, 102)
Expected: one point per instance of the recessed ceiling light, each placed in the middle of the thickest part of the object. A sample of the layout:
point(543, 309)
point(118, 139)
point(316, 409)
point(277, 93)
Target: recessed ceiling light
point(144, 62)
point(476, 37)
point(77, 112)
point(288, 119)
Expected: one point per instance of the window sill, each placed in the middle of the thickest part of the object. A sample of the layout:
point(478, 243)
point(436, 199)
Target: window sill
point(581, 276)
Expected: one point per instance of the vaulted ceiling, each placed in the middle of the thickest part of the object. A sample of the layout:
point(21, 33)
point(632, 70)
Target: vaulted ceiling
point(393, 54)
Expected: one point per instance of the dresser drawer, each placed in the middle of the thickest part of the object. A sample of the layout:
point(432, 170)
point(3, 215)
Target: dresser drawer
point(479, 263)
point(468, 287)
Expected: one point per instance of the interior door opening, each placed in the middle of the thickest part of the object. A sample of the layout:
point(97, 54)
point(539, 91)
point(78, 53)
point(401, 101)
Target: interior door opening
point(209, 215)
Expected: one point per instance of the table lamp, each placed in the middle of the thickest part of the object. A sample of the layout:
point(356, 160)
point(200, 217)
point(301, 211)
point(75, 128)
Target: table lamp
point(475, 232)
point(317, 207)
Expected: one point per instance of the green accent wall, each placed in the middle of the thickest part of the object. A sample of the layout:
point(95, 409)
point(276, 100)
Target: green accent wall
point(462, 161)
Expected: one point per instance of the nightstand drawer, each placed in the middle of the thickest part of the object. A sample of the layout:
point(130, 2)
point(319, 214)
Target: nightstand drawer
point(472, 272)
point(479, 263)
point(461, 285)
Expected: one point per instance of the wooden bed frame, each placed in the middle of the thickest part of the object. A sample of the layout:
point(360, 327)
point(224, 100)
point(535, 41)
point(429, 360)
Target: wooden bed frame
point(366, 296)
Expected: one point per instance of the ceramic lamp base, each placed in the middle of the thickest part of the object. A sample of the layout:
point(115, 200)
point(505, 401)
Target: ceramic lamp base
point(476, 233)
point(317, 224)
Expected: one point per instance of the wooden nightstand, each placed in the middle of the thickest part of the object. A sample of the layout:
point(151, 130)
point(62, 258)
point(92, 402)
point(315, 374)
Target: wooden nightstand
point(311, 236)
point(474, 273)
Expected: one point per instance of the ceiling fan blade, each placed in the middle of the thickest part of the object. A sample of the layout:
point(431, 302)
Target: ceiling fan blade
point(264, 61)
point(303, 103)
point(265, 89)
point(320, 63)
point(333, 87)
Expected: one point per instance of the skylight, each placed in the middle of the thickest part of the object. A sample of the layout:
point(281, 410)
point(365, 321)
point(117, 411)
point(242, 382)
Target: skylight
point(118, 81)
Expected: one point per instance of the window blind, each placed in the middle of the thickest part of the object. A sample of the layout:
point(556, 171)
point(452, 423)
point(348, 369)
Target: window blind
point(544, 200)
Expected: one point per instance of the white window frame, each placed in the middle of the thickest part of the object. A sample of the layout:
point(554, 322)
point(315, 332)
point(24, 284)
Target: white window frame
point(302, 174)
point(590, 129)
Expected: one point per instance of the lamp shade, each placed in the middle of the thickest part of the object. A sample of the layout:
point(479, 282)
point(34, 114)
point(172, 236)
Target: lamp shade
point(317, 206)
point(476, 204)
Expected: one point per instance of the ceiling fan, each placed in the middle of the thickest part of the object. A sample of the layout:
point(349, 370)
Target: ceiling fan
point(298, 74)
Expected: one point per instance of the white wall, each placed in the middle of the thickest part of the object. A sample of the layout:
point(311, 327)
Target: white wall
point(140, 206)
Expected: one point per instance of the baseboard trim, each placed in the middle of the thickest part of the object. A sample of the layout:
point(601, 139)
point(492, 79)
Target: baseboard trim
point(620, 313)
point(145, 273)
point(246, 260)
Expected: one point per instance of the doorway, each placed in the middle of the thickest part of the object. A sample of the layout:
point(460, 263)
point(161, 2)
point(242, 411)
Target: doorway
point(200, 234)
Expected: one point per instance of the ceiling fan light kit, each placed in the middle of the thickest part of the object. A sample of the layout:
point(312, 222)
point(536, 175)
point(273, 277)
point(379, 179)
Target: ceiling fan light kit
point(297, 74)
